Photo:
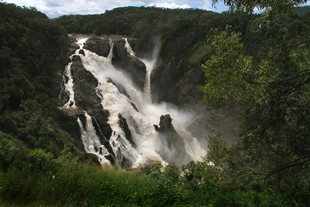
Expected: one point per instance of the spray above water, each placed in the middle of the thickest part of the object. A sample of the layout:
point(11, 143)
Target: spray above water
point(135, 107)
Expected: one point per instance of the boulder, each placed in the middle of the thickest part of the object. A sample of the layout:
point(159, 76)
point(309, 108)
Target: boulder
point(122, 123)
point(82, 52)
point(128, 64)
point(72, 48)
point(98, 45)
point(171, 147)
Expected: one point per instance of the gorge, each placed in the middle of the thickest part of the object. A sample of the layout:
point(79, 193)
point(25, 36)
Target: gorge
point(147, 106)
point(114, 108)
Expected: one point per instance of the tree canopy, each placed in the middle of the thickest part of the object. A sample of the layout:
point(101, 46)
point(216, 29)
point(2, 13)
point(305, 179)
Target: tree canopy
point(272, 7)
point(273, 92)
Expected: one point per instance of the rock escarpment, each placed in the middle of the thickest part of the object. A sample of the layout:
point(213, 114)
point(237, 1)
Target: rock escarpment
point(122, 60)
point(86, 98)
point(172, 147)
point(178, 79)
point(88, 103)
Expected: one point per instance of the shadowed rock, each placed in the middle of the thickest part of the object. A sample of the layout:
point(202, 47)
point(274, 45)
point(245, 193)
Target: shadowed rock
point(122, 123)
point(86, 98)
point(99, 46)
point(172, 147)
point(130, 65)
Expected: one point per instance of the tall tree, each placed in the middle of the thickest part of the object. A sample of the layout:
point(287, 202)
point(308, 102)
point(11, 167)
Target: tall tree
point(273, 7)
point(274, 93)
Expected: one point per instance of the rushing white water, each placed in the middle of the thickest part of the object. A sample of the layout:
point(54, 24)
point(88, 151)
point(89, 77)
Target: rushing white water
point(80, 42)
point(117, 103)
point(129, 49)
point(91, 140)
point(147, 88)
point(110, 56)
point(68, 87)
point(139, 122)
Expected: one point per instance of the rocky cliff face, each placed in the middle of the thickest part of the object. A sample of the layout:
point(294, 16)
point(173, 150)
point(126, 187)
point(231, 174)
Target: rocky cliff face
point(173, 80)
point(86, 99)
point(122, 59)
point(178, 79)
point(173, 148)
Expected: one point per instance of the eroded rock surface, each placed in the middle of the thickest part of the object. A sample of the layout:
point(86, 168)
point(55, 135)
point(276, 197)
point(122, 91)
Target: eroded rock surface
point(172, 147)
point(122, 60)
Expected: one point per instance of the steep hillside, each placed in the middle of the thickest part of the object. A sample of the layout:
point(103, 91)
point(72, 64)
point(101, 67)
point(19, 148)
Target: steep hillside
point(60, 97)
point(32, 57)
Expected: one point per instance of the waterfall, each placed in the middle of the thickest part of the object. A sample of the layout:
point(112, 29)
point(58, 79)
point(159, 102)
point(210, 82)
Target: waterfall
point(117, 103)
point(110, 56)
point(135, 107)
point(68, 87)
point(147, 88)
point(91, 140)
point(129, 49)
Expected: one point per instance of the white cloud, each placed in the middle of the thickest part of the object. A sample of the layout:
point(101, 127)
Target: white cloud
point(169, 4)
point(207, 5)
point(55, 8)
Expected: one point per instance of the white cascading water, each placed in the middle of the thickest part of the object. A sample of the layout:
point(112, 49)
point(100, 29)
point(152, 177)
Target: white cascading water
point(128, 47)
point(110, 56)
point(68, 87)
point(140, 123)
point(91, 140)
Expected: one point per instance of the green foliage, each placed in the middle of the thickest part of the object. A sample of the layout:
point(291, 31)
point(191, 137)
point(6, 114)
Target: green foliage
point(301, 11)
point(32, 48)
point(229, 67)
point(193, 173)
point(272, 7)
point(10, 150)
point(36, 160)
point(272, 89)
point(268, 75)
point(43, 180)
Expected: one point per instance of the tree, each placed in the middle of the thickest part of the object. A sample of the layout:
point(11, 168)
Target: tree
point(273, 93)
point(272, 7)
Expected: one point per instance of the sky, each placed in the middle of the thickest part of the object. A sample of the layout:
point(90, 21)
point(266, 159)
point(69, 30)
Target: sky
point(56, 8)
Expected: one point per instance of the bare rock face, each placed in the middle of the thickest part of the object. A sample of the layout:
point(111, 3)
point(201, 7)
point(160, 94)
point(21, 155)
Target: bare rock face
point(99, 46)
point(123, 124)
point(129, 64)
point(172, 148)
point(179, 81)
point(122, 60)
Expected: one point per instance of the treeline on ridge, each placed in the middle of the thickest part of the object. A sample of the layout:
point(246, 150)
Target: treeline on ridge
point(33, 52)
point(41, 158)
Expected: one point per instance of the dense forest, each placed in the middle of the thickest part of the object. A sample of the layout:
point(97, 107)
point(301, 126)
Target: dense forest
point(258, 62)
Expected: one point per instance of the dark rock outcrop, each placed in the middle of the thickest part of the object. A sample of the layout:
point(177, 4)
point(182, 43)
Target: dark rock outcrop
point(122, 123)
point(100, 46)
point(172, 147)
point(87, 99)
point(178, 80)
point(57, 84)
point(82, 52)
point(72, 48)
point(130, 65)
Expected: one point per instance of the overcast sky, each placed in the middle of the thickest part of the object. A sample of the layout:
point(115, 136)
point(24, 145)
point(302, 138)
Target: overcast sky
point(56, 8)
